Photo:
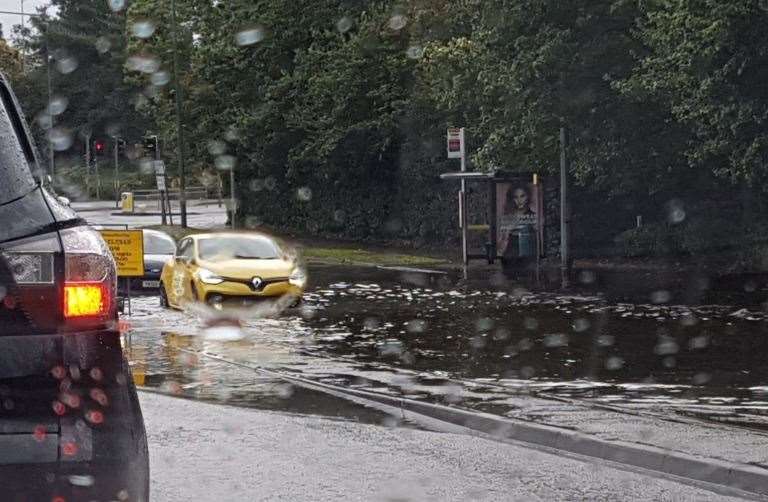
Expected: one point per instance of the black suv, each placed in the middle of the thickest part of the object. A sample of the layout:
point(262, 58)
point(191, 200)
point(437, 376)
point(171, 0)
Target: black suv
point(70, 423)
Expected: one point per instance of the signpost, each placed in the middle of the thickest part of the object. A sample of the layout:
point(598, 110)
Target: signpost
point(159, 167)
point(127, 247)
point(455, 146)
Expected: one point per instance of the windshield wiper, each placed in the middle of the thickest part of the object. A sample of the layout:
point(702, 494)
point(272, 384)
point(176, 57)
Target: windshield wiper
point(246, 257)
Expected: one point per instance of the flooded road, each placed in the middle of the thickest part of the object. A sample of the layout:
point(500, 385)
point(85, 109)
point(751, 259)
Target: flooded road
point(430, 337)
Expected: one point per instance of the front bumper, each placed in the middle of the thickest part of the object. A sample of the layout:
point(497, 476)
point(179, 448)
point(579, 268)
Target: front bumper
point(229, 289)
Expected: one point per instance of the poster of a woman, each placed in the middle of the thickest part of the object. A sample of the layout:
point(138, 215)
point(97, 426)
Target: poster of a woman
point(517, 220)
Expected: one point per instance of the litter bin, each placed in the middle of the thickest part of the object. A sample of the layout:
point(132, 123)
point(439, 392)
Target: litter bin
point(126, 202)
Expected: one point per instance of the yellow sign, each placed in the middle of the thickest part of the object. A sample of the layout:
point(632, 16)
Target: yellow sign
point(127, 247)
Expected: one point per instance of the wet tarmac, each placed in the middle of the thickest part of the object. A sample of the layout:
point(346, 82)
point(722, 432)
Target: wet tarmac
point(432, 336)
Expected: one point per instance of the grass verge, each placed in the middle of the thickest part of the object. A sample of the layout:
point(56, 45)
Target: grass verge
point(334, 255)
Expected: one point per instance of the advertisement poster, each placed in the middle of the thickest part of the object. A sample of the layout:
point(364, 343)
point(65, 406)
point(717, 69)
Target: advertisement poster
point(519, 226)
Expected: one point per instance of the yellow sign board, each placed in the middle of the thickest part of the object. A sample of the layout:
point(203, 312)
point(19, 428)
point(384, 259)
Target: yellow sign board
point(127, 247)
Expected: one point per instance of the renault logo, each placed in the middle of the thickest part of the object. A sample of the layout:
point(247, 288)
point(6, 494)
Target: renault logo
point(256, 281)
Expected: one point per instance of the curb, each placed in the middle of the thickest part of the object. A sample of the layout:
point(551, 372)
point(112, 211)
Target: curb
point(743, 477)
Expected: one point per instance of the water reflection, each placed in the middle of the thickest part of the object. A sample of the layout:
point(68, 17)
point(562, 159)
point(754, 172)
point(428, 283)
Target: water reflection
point(376, 325)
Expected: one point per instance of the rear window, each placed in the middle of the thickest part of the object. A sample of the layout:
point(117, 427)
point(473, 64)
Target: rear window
point(248, 248)
point(15, 152)
point(158, 244)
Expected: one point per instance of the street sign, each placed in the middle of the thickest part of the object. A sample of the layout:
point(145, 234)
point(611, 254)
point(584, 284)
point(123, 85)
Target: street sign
point(455, 143)
point(160, 182)
point(127, 247)
point(159, 166)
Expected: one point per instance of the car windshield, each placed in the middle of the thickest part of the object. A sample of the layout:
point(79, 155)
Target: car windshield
point(224, 248)
point(426, 249)
point(158, 244)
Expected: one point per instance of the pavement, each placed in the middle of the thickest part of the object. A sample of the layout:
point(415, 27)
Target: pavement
point(229, 453)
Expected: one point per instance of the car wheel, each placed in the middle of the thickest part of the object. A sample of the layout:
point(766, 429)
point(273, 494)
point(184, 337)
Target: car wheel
point(195, 296)
point(163, 296)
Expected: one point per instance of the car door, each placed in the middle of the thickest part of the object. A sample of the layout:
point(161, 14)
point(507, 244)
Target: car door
point(180, 290)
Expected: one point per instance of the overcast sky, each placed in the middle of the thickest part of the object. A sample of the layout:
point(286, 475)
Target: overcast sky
point(9, 20)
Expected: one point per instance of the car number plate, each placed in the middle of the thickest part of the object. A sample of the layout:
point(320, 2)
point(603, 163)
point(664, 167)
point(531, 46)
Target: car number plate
point(150, 284)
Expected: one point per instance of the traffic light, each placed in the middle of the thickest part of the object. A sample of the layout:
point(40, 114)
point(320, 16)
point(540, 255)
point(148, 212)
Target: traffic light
point(99, 147)
point(120, 147)
point(151, 149)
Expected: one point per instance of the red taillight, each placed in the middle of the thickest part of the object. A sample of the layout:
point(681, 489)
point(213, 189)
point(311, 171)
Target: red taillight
point(85, 300)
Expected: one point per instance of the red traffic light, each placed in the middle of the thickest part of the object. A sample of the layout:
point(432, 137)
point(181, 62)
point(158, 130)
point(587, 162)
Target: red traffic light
point(99, 146)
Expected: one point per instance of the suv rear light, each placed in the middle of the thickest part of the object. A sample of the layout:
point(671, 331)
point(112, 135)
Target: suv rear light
point(82, 300)
point(89, 276)
point(72, 269)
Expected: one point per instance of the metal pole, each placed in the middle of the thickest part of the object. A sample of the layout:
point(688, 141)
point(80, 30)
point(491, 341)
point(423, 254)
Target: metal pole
point(117, 174)
point(179, 119)
point(88, 163)
point(464, 238)
point(563, 210)
point(232, 201)
point(98, 178)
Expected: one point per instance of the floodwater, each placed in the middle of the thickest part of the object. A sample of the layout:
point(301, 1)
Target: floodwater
point(433, 336)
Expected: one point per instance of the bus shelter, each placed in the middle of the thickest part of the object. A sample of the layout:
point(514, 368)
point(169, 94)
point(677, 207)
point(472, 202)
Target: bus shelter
point(501, 216)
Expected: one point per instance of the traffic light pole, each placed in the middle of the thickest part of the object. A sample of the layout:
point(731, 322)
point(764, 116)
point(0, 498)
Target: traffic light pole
point(117, 174)
point(179, 120)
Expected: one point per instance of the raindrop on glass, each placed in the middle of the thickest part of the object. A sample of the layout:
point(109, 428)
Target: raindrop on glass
point(225, 162)
point(339, 216)
point(216, 147)
point(66, 65)
point(344, 24)
point(675, 211)
point(57, 105)
point(61, 138)
point(143, 28)
point(103, 45)
point(556, 340)
point(304, 194)
point(530, 323)
point(701, 378)
point(587, 277)
point(527, 372)
point(256, 185)
point(252, 221)
point(414, 52)
point(116, 5)
point(661, 296)
point(614, 363)
point(250, 36)
point(416, 326)
point(143, 63)
point(698, 342)
point(580, 325)
point(160, 78)
point(605, 340)
point(398, 22)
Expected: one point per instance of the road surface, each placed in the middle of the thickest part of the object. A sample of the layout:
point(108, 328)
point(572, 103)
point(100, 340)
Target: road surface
point(208, 452)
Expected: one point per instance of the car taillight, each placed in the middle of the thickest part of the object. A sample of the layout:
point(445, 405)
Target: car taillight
point(89, 276)
point(69, 277)
point(82, 300)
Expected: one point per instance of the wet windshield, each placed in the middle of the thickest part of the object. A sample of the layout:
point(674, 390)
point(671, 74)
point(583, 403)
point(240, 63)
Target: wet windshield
point(410, 242)
point(224, 248)
point(158, 244)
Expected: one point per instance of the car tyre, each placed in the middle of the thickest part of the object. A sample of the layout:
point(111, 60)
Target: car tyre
point(163, 296)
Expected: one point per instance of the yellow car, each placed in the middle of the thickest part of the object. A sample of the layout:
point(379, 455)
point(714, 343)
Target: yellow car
point(228, 267)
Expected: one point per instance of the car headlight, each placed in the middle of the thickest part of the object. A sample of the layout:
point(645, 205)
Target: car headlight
point(209, 277)
point(298, 277)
